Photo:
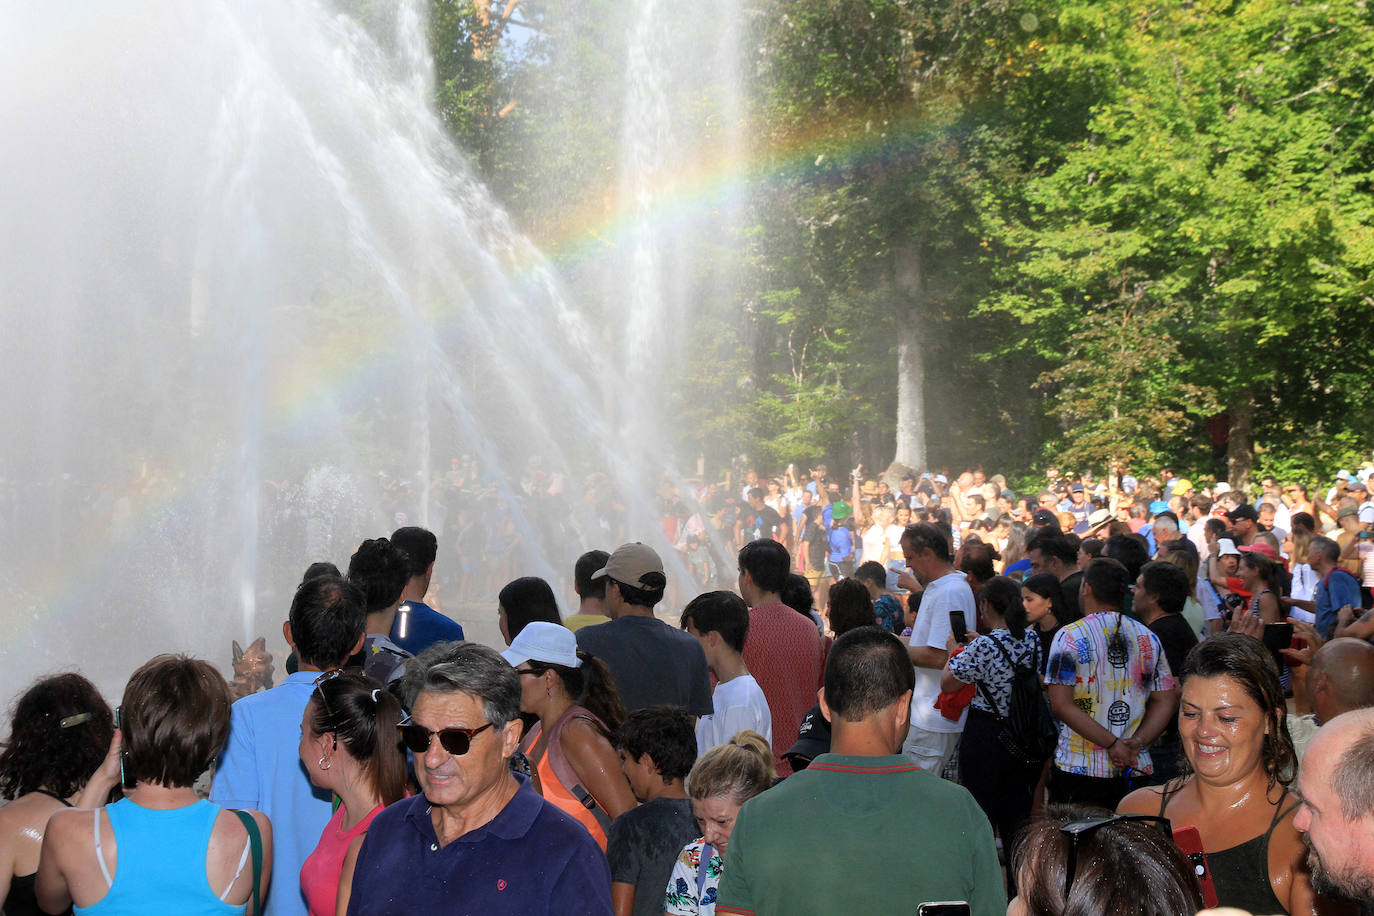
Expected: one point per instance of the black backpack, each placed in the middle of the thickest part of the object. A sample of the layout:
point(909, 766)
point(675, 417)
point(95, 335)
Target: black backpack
point(1029, 733)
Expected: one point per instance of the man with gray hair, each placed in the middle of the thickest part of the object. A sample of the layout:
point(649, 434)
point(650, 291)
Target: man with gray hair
point(1336, 587)
point(1336, 817)
point(478, 839)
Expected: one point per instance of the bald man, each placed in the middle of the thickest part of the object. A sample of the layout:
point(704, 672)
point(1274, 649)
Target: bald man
point(1339, 678)
point(1336, 817)
point(1328, 678)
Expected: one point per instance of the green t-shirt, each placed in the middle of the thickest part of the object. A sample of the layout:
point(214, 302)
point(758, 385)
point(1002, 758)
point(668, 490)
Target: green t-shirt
point(822, 842)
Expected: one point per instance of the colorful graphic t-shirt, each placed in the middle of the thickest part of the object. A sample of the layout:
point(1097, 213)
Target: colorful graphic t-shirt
point(1113, 663)
point(683, 898)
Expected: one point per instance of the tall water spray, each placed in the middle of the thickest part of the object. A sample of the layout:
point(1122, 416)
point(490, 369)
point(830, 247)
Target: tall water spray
point(255, 306)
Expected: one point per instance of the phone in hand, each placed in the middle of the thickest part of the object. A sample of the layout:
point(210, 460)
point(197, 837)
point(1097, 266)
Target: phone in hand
point(958, 626)
point(945, 908)
point(1278, 636)
point(126, 774)
point(1189, 841)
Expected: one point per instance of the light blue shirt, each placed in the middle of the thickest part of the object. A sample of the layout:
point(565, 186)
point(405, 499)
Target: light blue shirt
point(261, 768)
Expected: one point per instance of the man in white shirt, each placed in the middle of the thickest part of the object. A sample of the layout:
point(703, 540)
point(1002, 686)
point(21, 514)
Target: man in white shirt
point(933, 737)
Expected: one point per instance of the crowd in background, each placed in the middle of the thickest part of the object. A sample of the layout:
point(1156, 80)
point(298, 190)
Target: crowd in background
point(1082, 666)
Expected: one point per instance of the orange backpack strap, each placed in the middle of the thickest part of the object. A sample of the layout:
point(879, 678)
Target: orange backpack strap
point(564, 771)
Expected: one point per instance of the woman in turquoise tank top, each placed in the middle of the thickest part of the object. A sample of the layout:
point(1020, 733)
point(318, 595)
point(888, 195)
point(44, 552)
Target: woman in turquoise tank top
point(161, 848)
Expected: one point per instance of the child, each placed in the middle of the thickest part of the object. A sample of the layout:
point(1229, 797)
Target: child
point(886, 606)
point(720, 622)
point(657, 750)
point(721, 781)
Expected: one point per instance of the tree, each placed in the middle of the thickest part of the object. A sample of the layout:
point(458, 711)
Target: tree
point(1210, 175)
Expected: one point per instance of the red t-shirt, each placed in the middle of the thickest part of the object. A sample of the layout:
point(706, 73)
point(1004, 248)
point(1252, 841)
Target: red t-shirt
point(785, 654)
point(1234, 584)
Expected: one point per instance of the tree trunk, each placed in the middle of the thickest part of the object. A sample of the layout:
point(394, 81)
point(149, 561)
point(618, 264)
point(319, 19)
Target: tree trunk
point(485, 39)
point(911, 404)
point(1240, 445)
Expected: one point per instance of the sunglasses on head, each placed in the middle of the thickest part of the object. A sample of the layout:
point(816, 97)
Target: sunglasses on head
point(1075, 829)
point(327, 675)
point(457, 741)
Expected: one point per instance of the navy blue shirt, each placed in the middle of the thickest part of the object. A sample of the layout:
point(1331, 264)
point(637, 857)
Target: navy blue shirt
point(424, 626)
point(529, 859)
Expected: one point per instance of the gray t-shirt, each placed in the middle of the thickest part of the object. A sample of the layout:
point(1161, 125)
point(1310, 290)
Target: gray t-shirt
point(642, 846)
point(653, 663)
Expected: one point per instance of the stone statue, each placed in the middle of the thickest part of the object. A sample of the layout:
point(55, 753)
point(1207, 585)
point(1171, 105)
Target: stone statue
point(252, 668)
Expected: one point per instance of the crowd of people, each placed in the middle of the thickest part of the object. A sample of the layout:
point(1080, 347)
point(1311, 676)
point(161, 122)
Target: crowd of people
point(1106, 697)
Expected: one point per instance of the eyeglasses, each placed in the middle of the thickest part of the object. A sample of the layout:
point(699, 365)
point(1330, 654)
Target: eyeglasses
point(457, 741)
point(1076, 829)
point(521, 672)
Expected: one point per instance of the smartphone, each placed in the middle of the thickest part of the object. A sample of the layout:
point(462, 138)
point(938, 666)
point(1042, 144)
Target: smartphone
point(1189, 841)
point(944, 908)
point(959, 627)
point(126, 775)
point(1278, 636)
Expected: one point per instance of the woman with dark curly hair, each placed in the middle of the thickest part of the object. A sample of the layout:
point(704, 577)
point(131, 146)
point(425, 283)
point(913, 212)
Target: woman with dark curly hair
point(60, 733)
point(1239, 764)
point(173, 851)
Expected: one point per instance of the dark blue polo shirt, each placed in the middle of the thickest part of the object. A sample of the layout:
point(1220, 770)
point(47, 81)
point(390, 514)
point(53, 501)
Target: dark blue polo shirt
point(424, 627)
point(530, 859)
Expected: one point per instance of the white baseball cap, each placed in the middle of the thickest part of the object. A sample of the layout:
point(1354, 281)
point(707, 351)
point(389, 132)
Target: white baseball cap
point(541, 641)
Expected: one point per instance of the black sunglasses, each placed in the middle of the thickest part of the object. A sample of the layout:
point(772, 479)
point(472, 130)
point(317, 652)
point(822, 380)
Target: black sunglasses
point(457, 741)
point(1075, 829)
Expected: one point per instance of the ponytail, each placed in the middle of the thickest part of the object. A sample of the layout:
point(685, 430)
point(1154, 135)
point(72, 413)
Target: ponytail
point(388, 765)
point(1003, 596)
point(599, 695)
point(738, 770)
point(591, 686)
point(363, 715)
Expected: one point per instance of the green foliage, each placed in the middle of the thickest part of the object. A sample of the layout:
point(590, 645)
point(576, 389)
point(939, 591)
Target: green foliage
point(1311, 456)
point(1209, 182)
point(1130, 219)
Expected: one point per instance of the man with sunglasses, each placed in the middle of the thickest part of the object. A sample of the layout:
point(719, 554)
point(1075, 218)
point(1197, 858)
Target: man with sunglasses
point(260, 767)
point(478, 839)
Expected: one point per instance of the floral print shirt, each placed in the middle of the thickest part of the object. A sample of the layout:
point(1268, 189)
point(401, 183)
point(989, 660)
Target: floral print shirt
point(682, 897)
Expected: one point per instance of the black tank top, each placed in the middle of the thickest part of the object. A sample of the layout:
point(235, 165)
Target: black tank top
point(22, 900)
point(1241, 874)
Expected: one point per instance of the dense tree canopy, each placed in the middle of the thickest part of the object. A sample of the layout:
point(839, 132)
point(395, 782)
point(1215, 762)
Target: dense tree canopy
point(1089, 232)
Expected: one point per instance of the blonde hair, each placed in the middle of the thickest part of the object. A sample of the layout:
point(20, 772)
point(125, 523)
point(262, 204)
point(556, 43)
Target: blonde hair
point(739, 769)
point(1187, 561)
point(1302, 542)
